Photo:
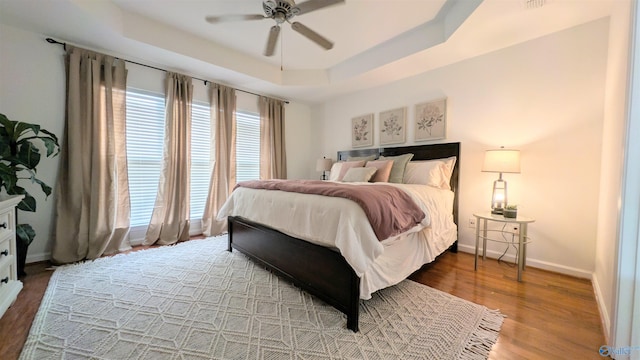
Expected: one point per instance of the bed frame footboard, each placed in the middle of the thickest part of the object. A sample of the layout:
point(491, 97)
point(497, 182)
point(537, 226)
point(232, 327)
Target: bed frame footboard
point(321, 271)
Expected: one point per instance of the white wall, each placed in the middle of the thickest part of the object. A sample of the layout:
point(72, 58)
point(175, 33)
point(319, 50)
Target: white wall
point(32, 89)
point(544, 97)
point(612, 159)
point(300, 161)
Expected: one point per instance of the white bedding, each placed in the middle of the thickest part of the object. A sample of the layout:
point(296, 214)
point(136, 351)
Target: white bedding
point(342, 224)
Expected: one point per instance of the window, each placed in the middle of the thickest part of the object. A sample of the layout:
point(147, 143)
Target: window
point(247, 146)
point(145, 138)
point(145, 143)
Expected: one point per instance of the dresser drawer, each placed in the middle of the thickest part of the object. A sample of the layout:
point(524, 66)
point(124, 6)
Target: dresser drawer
point(6, 223)
point(5, 248)
point(5, 277)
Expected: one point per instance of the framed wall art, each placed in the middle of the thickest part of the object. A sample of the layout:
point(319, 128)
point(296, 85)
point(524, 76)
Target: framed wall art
point(393, 126)
point(431, 120)
point(362, 130)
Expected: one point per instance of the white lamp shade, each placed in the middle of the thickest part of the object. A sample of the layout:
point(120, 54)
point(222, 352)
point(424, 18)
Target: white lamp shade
point(324, 164)
point(502, 161)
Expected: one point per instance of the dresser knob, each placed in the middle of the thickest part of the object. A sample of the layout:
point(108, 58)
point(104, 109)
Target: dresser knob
point(5, 280)
point(5, 252)
point(3, 225)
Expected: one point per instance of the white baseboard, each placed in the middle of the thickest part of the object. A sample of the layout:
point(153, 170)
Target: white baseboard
point(604, 315)
point(540, 264)
point(32, 258)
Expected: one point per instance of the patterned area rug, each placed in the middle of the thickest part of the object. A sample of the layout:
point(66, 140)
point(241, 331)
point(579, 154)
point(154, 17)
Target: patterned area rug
point(195, 300)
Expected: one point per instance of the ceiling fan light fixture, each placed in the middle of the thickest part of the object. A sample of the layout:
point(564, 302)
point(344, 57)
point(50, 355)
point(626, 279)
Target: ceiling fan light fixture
point(279, 17)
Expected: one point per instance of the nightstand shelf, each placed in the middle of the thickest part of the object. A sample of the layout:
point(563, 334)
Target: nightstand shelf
point(482, 232)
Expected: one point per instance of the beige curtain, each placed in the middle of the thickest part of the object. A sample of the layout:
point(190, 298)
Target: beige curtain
point(92, 192)
point(223, 178)
point(170, 218)
point(273, 160)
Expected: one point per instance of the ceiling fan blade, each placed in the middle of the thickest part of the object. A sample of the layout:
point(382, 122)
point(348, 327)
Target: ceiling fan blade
point(312, 5)
point(312, 35)
point(226, 18)
point(272, 40)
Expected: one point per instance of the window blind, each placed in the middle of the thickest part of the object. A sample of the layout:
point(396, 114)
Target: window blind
point(145, 137)
point(247, 146)
point(200, 158)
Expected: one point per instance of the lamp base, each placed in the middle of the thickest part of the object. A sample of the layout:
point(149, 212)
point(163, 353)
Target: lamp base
point(497, 211)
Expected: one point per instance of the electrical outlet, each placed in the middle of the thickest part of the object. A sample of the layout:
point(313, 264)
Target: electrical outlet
point(516, 230)
point(472, 222)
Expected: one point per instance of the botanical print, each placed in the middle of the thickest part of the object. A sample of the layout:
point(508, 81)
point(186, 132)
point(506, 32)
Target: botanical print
point(430, 120)
point(392, 126)
point(362, 130)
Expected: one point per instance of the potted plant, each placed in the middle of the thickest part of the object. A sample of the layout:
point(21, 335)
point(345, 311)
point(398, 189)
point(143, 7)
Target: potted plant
point(511, 211)
point(19, 157)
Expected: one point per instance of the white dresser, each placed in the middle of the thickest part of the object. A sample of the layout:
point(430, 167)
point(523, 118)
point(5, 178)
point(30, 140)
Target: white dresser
point(10, 286)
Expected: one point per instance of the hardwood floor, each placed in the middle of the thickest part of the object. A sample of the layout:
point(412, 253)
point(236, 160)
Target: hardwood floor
point(548, 315)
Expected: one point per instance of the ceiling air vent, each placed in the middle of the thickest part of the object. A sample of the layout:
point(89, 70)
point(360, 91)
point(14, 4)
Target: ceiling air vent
point(532, 4)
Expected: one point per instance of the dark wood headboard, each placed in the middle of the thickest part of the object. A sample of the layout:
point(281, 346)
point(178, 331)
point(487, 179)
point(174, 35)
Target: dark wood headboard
point(420, 152)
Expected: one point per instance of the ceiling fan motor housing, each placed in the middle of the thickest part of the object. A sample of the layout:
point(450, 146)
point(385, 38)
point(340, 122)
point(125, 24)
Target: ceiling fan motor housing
point(280, 10)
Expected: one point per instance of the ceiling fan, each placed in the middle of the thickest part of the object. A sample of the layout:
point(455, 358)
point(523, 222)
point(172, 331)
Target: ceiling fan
point(281, 11)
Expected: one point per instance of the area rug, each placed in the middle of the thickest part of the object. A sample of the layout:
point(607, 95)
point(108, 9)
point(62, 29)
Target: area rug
point(195, 300)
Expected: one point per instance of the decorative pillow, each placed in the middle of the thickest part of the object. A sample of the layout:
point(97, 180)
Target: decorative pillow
point(334, 173)
point(436, 173)
point(384, 170)
point(346, 165)
point(359, 174)
point(399, 163)
point(365, 158)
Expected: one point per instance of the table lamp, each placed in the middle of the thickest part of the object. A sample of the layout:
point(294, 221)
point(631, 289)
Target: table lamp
point(323, 165)
point(501, 161)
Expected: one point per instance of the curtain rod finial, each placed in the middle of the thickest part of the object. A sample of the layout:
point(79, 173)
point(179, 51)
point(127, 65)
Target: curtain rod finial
point(52, 41)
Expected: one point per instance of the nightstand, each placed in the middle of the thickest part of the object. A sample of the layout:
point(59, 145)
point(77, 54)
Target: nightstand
point(481, 225)
point(10, 286)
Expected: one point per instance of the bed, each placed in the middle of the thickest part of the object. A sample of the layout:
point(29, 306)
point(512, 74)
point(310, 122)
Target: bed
point(322, 270)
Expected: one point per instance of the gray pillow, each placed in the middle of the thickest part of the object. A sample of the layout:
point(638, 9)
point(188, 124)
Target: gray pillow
point(361, 174)
point(397, 170)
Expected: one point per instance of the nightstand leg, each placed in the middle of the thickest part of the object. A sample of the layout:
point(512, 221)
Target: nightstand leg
point(524, 239)
point(475, 263)
point(484, 239)
point(521, 246)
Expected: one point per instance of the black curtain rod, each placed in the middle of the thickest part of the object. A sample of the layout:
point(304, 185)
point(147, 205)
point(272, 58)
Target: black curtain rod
point(64, 45)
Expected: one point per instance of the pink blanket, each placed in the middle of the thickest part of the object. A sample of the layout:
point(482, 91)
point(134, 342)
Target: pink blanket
point(390, 210)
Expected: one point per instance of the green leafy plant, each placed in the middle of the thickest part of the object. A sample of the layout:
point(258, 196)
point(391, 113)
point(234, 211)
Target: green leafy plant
point(511, 207)
point(19, 157)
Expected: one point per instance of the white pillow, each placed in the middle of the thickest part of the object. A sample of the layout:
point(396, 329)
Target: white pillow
point(359, 174)
point(449, 164)
point(436, 173)
point(334, 173)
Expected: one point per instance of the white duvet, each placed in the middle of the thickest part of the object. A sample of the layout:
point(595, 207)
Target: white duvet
point(342, 224)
